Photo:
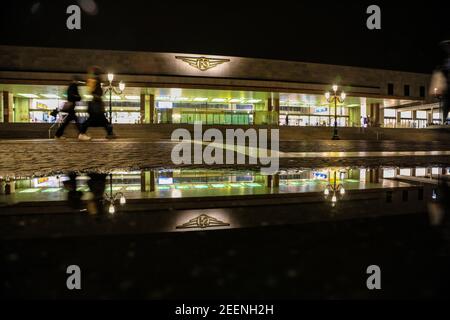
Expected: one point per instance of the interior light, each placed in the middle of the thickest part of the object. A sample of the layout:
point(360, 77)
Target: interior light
point(200, 99)
point(218, 100)
point(253, 101)
point(50, 96)
point(180, 99)
point(162, 98)
point(28, 95)
point(235, 100)
point(132, 97)
point(201, 186)
point(31, 190)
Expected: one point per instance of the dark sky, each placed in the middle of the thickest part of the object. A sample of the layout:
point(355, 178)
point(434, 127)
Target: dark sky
point(315, 31)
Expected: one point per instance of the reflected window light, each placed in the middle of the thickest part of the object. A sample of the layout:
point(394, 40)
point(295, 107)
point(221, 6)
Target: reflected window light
point(436, 170)
point(389, 173)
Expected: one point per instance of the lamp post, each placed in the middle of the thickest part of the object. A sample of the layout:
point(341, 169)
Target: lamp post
point(111, 89)
point(333, 190)
point(111, 198)
point(335, 98)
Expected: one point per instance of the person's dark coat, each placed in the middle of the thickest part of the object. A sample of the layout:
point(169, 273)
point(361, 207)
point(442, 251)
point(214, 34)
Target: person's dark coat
point(73, 94)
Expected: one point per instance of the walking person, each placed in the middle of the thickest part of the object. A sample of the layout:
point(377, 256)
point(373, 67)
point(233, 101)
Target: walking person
point(440, 82)
point(96, 107)
point(73, 96)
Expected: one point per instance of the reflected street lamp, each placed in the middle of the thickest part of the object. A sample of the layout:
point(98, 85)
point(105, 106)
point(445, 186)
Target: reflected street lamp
point(111, 89)
point(335, 97)
point(334, 190)
point(112, 198)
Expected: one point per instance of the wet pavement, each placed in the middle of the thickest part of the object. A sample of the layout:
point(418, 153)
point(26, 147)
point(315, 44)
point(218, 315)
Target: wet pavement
point(43, 157)
point(228, 233)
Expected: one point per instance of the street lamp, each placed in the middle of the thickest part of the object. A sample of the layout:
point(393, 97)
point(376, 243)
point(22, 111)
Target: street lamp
point(336, 98)
point(111, 198)
point(334, 190)
point(111, 89)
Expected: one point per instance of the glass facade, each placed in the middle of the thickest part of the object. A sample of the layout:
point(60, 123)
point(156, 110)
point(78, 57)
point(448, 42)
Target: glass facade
point(322, 116)
point(34, 104)
point(206, 113)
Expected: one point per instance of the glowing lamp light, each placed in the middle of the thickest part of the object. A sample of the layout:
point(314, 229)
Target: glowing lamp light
point(110, 77)
point(342, 191)
point(111, 209)
point(121, 86)
point(343, 96)
point(326, 192)
point(335, 88)
point(327, 95)
point(334, 199)
point(123, 200)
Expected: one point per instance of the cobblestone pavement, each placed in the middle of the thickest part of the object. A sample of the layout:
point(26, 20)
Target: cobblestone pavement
point(42, 157)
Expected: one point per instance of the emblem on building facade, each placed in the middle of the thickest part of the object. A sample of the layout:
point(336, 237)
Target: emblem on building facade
point(202, 63)
point(203, 221)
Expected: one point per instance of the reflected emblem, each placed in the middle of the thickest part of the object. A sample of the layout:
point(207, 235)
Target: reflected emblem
point(202, 63)
point(203, 221)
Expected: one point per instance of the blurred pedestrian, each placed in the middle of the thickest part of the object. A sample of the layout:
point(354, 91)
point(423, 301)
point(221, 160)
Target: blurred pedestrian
point(440, 82)
point(96, 107)
point(73, 96)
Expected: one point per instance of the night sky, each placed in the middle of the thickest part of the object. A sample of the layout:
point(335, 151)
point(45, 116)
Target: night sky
point(313, 31)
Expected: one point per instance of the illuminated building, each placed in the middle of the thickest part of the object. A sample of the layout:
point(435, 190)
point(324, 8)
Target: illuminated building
point(164, 88)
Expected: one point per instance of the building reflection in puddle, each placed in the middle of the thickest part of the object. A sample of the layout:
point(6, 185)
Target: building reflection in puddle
point(215, 199)
point(115, 188)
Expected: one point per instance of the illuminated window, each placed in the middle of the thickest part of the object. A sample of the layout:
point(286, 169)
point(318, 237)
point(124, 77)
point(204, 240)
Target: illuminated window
point(406, 115)
point(405, 172)
point(390, 113)
point(421, 115)
point(421, 172)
